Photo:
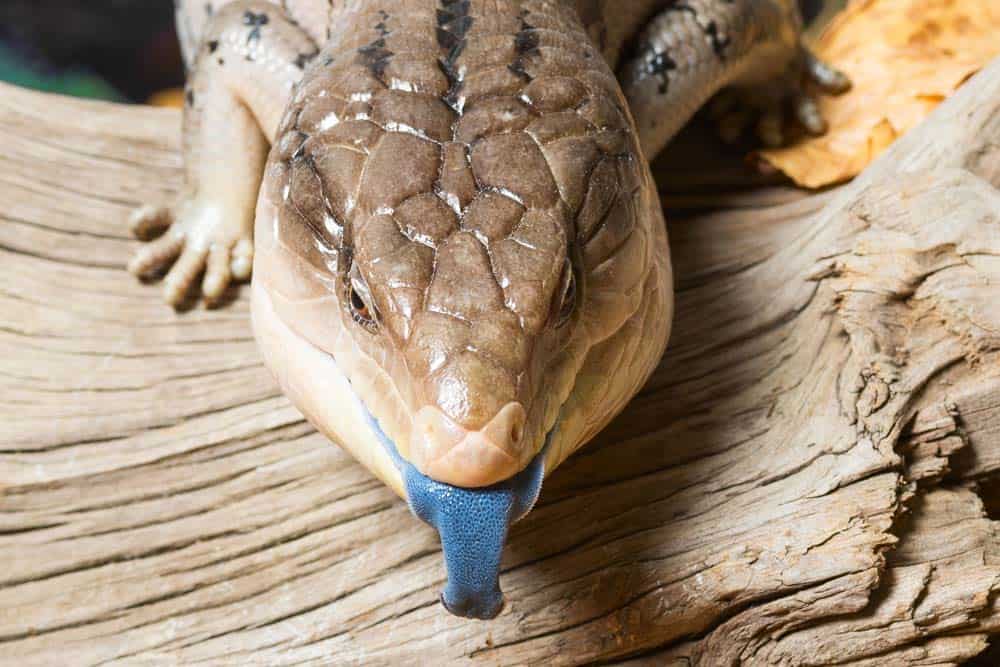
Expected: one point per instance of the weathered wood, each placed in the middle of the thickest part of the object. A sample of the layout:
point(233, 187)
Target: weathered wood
point(774, 495)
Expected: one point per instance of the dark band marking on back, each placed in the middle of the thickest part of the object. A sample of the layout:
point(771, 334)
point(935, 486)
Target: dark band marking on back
point(525, 44)
point(453, 23)
point(375, 56)
point(718, 41)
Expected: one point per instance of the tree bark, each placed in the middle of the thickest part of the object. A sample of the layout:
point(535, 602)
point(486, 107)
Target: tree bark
point(798, 484)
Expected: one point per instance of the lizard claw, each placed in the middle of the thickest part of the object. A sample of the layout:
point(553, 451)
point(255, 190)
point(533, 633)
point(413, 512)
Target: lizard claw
point(195, 239)
point(829, 79)
point(774, 102)
point(807, 113)
point(154, 258)
point(148, 222)
point(183, 273)
point(242, 262)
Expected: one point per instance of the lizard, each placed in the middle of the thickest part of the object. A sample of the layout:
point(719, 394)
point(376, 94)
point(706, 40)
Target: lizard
point(460, 265)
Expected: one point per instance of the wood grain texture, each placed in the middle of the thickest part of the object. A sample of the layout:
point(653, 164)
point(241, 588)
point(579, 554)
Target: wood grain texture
point(792, 487)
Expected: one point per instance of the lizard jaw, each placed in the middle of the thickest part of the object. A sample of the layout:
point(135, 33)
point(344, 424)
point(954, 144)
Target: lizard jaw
point(472, 522)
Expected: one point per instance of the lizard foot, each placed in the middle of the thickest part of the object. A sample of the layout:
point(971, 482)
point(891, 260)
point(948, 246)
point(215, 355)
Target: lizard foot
point(194, 238)
point(769, 104)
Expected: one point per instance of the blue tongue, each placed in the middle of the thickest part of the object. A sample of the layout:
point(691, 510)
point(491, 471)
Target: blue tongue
point(472, 524)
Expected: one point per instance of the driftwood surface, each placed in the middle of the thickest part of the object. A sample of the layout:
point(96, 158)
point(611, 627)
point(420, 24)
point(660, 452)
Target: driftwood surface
point(802, 482)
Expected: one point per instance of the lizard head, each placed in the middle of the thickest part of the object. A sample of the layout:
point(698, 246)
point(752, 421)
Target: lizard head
point(457, 292)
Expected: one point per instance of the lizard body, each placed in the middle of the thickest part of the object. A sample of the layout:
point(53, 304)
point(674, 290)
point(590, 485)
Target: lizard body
point(460, 265)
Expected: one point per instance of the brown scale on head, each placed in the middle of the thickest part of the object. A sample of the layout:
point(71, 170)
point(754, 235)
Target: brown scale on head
point(470, 195)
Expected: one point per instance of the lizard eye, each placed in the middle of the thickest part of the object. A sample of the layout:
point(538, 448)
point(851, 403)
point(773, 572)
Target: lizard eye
point(360, 301)
point(567, 301)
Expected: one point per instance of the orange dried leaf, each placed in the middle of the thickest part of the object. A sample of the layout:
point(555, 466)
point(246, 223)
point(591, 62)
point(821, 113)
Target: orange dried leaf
point(903, 58)
point(172, 97)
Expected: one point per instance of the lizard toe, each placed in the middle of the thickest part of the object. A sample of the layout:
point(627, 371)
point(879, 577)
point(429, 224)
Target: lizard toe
point(147, 222)
point(217, 274)
point(182, 276)
point(157, 256)
point(242, 262)
point(807, 113)
point(829, 79)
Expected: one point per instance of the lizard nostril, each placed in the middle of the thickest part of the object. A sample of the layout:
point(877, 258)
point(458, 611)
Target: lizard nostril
point(455, 454)
point(514, 417)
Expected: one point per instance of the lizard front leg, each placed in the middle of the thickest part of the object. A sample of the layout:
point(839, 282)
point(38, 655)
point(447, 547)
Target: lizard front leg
point(695, 48)
point(250, 58)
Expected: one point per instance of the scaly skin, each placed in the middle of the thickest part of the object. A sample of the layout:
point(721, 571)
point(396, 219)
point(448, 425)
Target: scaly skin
point(461, 267)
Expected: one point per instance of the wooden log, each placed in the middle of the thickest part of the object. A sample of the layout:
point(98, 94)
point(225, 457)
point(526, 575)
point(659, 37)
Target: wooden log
point(790, 487)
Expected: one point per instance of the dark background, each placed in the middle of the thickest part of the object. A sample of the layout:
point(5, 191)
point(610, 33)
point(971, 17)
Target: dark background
point(124, 50)
point(113, 49)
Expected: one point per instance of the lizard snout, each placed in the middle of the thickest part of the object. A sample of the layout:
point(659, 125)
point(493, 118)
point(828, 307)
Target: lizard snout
point(448, 452)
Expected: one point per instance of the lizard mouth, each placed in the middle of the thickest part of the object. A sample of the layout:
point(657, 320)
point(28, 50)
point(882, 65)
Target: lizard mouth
point(472, 522)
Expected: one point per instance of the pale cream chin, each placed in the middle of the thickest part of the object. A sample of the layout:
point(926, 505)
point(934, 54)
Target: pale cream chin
point(299, 328)
point(315, 384)
point(317, 319)
point(617, 367)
